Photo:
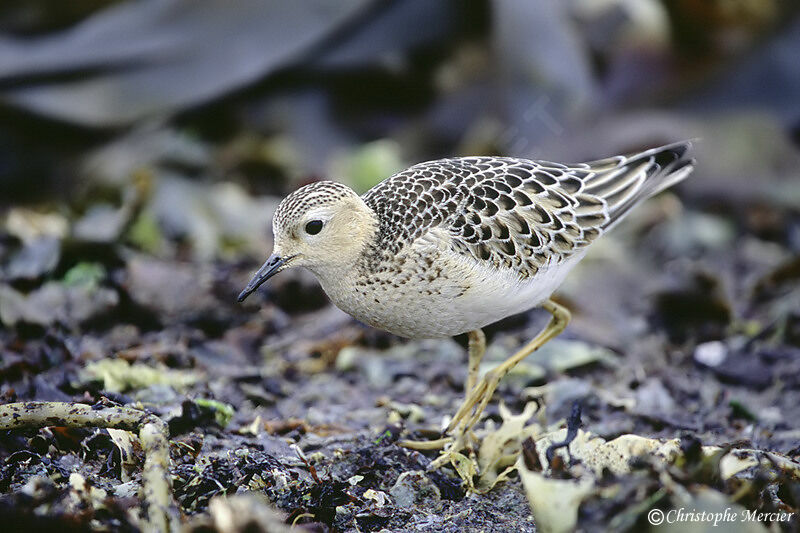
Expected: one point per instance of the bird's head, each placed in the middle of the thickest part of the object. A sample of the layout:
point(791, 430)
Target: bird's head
point(323, 226)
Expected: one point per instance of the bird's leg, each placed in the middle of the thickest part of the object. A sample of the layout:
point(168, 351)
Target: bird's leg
point(476, 349)
point(481, 394)
point(483, 391)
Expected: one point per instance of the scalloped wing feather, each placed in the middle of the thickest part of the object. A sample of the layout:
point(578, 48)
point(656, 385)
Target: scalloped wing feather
point(515, 213)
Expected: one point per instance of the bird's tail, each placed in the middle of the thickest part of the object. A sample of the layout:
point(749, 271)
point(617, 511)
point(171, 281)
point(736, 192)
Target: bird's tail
point(624, 181)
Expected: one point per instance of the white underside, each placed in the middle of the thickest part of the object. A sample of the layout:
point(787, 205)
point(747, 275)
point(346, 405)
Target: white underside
point(495, 295)
point(470, 296)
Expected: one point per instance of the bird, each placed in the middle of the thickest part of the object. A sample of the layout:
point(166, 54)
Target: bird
point(447, 247)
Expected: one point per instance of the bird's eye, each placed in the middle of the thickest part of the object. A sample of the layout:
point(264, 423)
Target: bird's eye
point(313, 227)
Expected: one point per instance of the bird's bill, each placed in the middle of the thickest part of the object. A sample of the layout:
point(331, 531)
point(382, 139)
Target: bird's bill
point(267, 270)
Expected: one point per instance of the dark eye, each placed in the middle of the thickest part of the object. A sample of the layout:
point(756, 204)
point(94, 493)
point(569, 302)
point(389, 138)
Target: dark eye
point(314, 227)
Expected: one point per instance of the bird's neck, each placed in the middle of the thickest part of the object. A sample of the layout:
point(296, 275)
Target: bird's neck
point(340, 279)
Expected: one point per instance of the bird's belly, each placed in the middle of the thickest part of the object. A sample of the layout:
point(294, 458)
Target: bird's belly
point(449, 305)
point(418, 315)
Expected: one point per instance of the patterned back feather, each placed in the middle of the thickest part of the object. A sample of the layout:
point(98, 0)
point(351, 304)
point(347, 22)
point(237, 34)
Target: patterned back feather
point(518, 213)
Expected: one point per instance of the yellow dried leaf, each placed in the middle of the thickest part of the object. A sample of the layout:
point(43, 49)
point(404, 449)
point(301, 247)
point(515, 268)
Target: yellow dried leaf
point(554, 502)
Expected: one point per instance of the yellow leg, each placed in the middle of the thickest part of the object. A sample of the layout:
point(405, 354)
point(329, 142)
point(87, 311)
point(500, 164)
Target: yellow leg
point(480, 394)
point(476, 349)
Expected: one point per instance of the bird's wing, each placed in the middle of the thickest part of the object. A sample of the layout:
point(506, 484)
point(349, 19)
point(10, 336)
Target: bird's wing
point(518, 213)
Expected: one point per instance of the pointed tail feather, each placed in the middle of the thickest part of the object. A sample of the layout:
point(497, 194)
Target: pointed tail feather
point(625, 181)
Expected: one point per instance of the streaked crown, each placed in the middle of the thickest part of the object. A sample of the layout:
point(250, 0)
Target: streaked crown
point(317, 194)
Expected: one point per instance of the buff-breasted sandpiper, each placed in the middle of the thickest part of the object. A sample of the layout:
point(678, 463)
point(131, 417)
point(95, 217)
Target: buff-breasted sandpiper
point(449, 246)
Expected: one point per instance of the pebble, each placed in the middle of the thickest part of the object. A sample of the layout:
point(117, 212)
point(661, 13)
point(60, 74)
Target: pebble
point(711, 354)
point(415, 488)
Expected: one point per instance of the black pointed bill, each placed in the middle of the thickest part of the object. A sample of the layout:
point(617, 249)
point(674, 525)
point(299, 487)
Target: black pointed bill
point(267, 270)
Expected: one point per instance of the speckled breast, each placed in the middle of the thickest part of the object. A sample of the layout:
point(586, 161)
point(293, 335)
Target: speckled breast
point(419, 296)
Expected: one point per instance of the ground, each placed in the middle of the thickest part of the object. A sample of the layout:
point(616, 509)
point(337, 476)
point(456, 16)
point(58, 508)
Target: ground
point(675, 335)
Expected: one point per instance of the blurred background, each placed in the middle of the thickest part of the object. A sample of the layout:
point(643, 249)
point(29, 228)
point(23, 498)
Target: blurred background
point(144, 145)
point(254, 97)
point(172, 128)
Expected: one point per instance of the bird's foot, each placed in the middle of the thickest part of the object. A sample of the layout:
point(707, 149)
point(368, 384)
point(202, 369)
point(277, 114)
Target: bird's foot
point(459, 434)
point(452, 454)
point(451, 446)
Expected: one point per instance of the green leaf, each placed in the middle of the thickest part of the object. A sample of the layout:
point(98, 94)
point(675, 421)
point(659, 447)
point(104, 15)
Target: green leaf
point(85, 274)
point(222, 411)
